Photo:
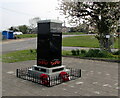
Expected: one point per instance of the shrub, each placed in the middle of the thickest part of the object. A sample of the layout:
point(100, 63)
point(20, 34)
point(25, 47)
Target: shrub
point(31, 51)
point(83, 51)
point(73, 52)
point(77, 51)
point(104, 54)
point(116, 52)
point(98, 53)
point(92, 53)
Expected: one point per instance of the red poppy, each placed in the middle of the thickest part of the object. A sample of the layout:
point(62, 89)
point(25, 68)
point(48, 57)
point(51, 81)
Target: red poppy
point(44, 79)
point(64, 76)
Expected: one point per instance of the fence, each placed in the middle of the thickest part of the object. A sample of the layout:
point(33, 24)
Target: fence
point(50, 80)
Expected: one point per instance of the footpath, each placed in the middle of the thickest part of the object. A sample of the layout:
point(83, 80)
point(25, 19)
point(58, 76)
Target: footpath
point(98, 79)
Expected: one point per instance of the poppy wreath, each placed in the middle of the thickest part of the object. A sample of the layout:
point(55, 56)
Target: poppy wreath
point(44, 79)
point(64, 76)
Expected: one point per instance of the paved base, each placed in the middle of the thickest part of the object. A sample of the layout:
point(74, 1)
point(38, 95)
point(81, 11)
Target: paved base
point(98, 79)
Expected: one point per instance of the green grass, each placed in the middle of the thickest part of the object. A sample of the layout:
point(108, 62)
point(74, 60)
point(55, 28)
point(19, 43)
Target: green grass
point(27, 35)
point(18, 56)
point(35, 35)
point(83, 41)
point(72, 33)
point(25, 55)
point(68, 53)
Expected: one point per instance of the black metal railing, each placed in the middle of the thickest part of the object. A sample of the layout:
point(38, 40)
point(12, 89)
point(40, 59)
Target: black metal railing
point(50, 80)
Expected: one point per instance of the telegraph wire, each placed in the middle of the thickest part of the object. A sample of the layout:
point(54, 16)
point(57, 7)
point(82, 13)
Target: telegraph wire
point(18, 12)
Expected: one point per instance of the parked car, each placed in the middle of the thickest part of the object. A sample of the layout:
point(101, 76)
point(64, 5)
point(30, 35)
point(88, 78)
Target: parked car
point(17, 33)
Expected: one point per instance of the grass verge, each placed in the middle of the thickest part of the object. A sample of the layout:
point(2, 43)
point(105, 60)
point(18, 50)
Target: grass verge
point(83, 41)
point(18, 56)
point(24, 55)
point(26, 36)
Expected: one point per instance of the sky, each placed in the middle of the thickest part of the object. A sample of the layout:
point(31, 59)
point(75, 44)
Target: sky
point(19, 12)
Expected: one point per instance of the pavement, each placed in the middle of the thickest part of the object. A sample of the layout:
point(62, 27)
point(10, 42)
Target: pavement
point(98, 79)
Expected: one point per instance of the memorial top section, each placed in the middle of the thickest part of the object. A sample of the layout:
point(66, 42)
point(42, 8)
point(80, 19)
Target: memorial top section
point(46, 21)
point(49, 26)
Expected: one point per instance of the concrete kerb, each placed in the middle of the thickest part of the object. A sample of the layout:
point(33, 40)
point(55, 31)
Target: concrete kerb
point(97, 59)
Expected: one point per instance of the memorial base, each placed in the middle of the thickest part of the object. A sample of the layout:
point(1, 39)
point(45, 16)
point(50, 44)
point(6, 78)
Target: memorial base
point(54, 71)
point(48, 76)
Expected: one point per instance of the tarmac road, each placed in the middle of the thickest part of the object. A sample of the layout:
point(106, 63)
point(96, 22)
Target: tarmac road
point(22, 44)
point(98, 79)
point(30, 43)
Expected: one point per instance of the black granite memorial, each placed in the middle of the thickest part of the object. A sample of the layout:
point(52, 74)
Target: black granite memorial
point(49, 44)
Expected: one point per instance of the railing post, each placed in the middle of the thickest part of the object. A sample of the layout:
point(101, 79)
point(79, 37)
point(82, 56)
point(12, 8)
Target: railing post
point(80, 72)
point(17, 75)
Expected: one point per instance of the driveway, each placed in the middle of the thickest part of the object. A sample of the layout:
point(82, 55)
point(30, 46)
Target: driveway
point(98, 79)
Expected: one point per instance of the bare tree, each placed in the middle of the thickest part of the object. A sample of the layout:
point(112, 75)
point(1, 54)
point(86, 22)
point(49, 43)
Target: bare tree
point(33, 22)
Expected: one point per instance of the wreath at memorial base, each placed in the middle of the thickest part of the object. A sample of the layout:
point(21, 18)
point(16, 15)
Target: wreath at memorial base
point(44, 79)
point(64, 76)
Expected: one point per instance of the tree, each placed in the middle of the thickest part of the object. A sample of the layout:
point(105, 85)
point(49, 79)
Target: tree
point(103, 16)
point(80, 28)
point(24, 29)
point(14, 29)
point(33, 22)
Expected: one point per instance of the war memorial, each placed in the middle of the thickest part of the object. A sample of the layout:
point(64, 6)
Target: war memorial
point(49, 70)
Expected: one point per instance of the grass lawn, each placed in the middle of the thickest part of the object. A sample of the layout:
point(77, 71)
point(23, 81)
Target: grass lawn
point(83, 41)
point(24, 55)
point(35, 35)
point(27, 35)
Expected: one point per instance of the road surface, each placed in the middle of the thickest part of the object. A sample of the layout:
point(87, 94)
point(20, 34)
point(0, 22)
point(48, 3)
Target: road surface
point(22, 44)
point(30, 43)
